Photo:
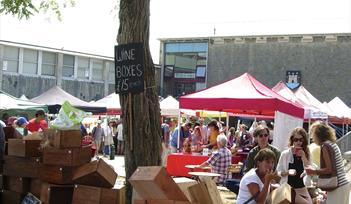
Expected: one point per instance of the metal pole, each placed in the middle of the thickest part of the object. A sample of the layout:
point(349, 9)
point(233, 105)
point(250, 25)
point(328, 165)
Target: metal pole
point(179, 118)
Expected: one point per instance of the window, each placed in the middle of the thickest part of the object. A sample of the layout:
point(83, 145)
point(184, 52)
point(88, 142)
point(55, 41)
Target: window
point(200, 71)
point(10, 62)
point(97, 70)
point(68, 66)
point(48, 63)
point(168, 72)
point(83, 71)
point(111, 72)
point(30, 61)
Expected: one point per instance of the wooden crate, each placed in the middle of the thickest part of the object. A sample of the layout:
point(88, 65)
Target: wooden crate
point(184, 184)
point(63, 138)
point(35, 187)
point(95, 195)
point(56, 194)
point(16, 184)
point(21, 167)
point(11, 132)
point(11, 197)
point(56, 174)
point(24, 148)
point(67, 157)
point(96, 173)
point(1, 181)
point(153, 183)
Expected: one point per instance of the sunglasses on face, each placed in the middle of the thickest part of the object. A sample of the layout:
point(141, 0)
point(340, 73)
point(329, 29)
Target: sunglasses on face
point(298, 139)
point(263, 135)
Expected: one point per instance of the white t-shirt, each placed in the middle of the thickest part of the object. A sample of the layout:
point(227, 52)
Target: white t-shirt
point(120, 132)
point(244, 193)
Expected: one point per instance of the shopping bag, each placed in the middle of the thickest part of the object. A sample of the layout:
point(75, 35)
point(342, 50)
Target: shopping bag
point(282, 194)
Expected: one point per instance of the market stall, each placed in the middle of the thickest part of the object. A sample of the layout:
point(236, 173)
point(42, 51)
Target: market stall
point(55, 96)
point(246, 95)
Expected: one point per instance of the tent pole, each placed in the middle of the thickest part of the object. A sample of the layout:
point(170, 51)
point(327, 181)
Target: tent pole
point(308, 135)
point(179, 118)
point(227, 122)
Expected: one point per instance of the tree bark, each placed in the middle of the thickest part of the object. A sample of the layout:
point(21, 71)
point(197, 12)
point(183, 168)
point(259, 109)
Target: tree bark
point(141, 122)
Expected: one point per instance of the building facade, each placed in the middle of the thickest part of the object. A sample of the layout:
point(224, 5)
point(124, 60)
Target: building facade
point(31, 70)
point(323, 61)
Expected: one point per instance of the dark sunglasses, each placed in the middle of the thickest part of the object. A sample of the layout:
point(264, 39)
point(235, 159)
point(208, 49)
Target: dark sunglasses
point(298, 139)
point(263, 135)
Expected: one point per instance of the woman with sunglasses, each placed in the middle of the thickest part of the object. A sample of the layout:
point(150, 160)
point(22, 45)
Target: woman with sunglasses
point(261, 135)
point(292, 162)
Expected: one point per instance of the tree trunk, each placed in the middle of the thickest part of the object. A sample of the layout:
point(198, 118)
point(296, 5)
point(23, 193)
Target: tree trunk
point(141, 112)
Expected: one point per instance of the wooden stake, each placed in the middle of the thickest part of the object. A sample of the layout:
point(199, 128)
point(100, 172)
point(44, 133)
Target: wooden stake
point(130, 121)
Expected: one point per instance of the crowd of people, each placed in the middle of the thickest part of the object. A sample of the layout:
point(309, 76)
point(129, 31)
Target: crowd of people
point(265, 166)
point(100, 137)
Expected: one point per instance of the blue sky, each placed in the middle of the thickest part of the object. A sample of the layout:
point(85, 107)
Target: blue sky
point(91, 26)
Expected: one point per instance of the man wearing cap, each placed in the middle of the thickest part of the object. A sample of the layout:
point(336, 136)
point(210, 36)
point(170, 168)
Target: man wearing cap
point(21, 126)
point(184, 133)
point(38, 123)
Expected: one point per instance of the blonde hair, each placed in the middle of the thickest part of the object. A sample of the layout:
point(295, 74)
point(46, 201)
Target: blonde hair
point(322, 132)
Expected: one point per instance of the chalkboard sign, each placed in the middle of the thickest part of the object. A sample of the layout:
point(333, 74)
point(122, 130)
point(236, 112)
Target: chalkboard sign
point(129, 68)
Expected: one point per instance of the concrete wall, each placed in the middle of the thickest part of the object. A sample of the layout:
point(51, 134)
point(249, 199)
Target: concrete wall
point(31, 86)
point(325, 63)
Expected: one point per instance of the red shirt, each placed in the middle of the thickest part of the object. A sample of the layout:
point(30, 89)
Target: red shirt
point(33, 126)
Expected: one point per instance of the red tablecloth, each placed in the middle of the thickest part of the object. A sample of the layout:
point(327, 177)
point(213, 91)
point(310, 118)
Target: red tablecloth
point(176, 162)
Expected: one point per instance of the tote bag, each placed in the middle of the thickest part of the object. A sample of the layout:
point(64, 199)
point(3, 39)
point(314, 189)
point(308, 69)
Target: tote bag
point(328, 182)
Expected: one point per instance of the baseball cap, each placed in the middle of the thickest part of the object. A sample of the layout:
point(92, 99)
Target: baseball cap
point(21, 120)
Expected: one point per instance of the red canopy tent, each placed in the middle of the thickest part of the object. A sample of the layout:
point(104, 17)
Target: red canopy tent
point(242, 95)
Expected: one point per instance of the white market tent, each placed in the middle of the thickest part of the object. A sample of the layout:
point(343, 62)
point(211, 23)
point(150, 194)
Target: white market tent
point(340, 108)
point(311, 105)
point(169, 106)
point(111, 102)
point(8, 102)
point(55, 96)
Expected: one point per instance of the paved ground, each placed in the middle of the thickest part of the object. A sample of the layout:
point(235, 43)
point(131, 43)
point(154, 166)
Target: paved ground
point(118, 165)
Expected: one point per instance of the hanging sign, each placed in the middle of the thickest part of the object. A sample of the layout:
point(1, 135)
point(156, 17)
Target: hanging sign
point(129, 68)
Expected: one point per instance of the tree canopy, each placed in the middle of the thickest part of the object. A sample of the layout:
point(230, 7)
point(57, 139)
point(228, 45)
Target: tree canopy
point(28, 8)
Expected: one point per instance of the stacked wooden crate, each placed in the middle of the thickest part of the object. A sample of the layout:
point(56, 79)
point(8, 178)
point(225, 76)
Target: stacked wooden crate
point(95, 184)
point(61, 157)
point(21, 167)
point(153, 185)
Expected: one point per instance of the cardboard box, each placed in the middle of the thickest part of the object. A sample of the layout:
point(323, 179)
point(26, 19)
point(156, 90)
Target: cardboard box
point(153, 183)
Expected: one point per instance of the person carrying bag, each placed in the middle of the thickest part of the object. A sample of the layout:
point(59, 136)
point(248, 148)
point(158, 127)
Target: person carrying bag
point(328, 182)
point(331, 173)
